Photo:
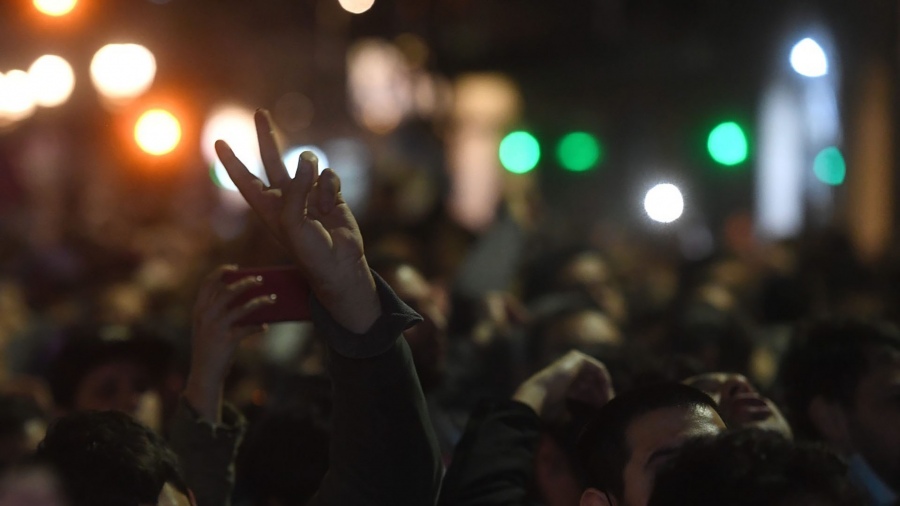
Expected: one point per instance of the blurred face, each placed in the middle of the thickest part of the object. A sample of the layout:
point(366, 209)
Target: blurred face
point(654, 438)
point(120, 386)
point(740, 404)
point(31, 487)
point(427, 340)
point(874, 419)
point(582, 331)
point(590, 273)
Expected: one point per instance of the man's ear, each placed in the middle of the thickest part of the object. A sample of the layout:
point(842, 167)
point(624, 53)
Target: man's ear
point(594, 497)
point(830, 420)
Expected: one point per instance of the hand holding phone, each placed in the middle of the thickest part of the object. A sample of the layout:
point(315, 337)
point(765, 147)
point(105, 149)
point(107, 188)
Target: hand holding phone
point(286, 283)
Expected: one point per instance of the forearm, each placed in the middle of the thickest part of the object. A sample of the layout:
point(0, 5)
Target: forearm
point(207, 452)
point(383, 451)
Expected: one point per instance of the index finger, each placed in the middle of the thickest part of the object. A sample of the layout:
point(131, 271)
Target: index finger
point(249, 185)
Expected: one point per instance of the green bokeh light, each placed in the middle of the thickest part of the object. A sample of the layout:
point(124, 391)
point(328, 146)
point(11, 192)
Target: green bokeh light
point(519, 152)
point(578, 151)
point(727, 144)
point(830, 167)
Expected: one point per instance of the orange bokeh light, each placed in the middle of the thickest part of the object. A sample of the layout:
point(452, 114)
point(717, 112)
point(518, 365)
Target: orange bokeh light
point(55, 8)
point(157, 132)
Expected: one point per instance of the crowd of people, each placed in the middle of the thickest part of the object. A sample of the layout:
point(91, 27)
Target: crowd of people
point(589, 378)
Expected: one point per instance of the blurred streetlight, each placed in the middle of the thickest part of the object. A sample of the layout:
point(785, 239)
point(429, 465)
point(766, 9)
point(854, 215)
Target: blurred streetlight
point(121, 72)
point(16, 98)
point(55, 7)
point(233, 124)
point(157, 132)
point(52, 80)
point(809, 59)
point(357, 6)
point(664, 203)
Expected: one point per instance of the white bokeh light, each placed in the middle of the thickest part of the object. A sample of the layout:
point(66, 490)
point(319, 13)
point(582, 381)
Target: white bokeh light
point(16, 97)
point(233, 124)
point(664, 203)
point(356, 6)
point(52, 80)
point(123, 71)
point(291, 158)
point(809, 59)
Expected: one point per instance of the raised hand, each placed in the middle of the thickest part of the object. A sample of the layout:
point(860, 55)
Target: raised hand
point(215, 338)
point(308, 215)
point(575, 376)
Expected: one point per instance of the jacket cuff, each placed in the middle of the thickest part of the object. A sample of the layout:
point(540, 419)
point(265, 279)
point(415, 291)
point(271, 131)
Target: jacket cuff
point(395, 317)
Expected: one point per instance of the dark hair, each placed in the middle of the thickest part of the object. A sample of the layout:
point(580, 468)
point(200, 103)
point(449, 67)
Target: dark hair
point(752, 467)
point(828, 359)
point(285, 456)
point(109, 459)
point(603, 448)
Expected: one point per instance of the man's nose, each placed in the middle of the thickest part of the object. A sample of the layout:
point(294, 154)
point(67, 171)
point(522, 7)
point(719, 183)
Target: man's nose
point(734, 386)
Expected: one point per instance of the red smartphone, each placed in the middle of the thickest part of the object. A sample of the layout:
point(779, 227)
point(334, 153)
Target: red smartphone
point(291, 295)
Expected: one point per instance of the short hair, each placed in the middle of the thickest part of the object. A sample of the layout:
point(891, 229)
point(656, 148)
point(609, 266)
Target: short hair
point(109, 459)
point(828, 358)
point(752, 467)
point(603, 448)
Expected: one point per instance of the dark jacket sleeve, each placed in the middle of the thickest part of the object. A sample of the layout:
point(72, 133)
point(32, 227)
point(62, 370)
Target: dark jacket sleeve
point(494, 461)
point(383, 449)
point(207, 452)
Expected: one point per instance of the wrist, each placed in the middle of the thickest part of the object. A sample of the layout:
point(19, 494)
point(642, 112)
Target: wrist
point(352, 301)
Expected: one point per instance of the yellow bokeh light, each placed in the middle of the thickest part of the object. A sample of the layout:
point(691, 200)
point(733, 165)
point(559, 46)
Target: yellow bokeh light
point(123, 71)
point(52, 80)
point(16, 97)
point(157, 132)
point(55, 7)
point(357, 6)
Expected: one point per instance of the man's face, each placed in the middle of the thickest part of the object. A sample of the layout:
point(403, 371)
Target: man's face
point(581, 331)
point(740, 404)
point(654, 438)
point(120, 386)
point(874, 418)
point(589, 273)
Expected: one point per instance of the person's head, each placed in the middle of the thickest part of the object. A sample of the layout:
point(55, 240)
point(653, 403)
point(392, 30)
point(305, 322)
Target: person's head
point(106, 368)
point(752, 467)
point(285, 457)
point(577, 269)
point(841, 384)
point(739, 402)
point(634, 434)
point(567, 322)
point(109, 459)
point(22, 426)
point(427, 340)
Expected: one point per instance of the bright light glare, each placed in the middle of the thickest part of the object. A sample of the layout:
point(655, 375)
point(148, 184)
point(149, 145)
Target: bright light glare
point(357, 6)
point(235, 125)
point(727, 144)
point(52, 80)
point(55, 7)
point(830, 167)
point(157, 132)
point(16, 98)
point(123, 71)
point(519, 152)
point(808, 58)
point(664, 203)
point(292, 157)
